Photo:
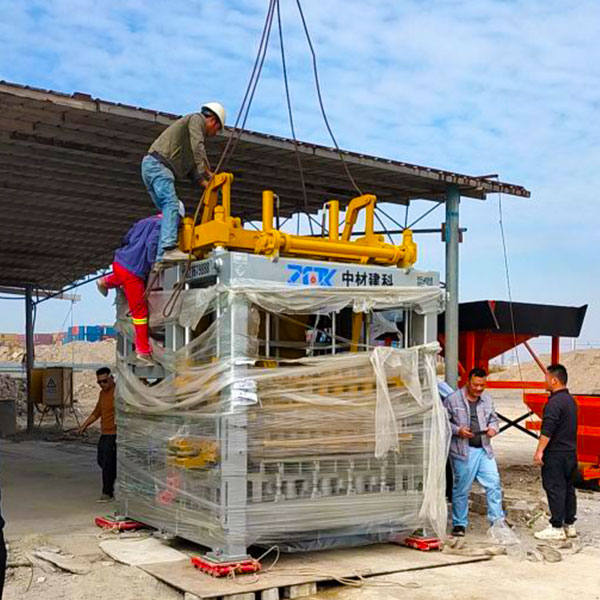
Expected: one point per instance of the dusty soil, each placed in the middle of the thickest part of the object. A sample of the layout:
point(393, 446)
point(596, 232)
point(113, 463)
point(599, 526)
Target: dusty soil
point(106, 580)
point(501, 578)
point(49, 493)
point(74, 352)
point(49, 496)
point(583, 367)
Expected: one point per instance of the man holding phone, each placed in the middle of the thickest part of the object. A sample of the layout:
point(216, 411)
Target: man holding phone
point(474, 422)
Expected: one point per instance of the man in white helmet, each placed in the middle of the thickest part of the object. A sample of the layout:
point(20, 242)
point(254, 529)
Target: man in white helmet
point(179, 153)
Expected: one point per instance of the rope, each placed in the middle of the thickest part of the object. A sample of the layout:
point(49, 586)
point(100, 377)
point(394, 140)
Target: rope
point(290, 115)
point(318, 88)
point(355, 580)
point(230, 145)
point(508, 284)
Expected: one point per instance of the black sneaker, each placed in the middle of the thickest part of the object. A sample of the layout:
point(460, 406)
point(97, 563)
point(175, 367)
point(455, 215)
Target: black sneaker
point(458, 531)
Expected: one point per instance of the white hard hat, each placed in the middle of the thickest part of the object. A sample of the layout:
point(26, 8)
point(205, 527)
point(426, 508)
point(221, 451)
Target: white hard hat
point(181, 209)
point(218, 109)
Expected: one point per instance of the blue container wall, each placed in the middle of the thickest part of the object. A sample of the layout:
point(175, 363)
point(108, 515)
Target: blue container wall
point(89, 333)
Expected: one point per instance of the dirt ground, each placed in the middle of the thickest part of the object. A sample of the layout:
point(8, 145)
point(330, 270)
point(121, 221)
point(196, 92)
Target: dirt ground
point(49, 491)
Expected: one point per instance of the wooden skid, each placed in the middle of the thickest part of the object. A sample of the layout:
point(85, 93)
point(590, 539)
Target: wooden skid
point(298, 575)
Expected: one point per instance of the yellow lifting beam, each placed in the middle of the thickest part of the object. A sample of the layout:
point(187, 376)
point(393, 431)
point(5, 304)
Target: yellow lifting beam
point(218, 228)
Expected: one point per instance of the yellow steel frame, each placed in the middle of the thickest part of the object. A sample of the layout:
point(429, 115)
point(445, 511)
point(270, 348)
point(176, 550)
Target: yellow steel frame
point(217, 228)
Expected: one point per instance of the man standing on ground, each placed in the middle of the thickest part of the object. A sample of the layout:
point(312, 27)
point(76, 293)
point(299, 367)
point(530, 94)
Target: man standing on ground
point(107, 444)
point(474, 422)
point(179, 152)
point(556, 453)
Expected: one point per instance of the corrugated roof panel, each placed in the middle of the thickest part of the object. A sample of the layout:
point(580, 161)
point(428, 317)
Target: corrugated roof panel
point(70, 180)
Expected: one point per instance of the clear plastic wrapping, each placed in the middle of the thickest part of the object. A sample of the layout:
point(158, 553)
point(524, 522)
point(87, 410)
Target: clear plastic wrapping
point(273, 427)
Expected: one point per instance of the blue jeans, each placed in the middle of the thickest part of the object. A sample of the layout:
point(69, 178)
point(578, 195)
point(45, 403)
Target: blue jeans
point(160, 183)
point(483, 468)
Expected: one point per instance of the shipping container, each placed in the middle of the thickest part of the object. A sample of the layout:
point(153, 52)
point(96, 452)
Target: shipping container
point(42, 339)
point(10, 337)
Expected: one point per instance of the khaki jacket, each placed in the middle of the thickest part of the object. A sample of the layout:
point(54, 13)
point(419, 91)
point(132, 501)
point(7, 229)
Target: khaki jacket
point(181, 145)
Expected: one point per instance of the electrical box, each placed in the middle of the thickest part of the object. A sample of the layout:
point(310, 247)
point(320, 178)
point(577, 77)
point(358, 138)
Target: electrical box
point(57, 386)
point(37, 385)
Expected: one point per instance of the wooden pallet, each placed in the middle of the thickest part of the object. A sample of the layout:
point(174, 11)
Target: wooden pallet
point(298, 575)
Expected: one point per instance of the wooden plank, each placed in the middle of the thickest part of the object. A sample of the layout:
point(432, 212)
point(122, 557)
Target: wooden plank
point(304, 568)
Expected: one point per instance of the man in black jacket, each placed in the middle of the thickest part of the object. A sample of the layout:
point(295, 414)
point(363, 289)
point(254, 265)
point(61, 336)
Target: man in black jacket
point(556, 453)
point(3, 556)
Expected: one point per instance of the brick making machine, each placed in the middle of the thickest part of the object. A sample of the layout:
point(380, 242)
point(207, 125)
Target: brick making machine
point(294, 401)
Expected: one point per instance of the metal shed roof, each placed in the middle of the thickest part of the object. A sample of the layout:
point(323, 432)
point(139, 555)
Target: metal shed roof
point(70, 183)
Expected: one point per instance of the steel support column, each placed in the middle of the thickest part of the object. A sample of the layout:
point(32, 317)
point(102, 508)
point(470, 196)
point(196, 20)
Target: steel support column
point(29, 350)
point(451, 314)
point(555, 355)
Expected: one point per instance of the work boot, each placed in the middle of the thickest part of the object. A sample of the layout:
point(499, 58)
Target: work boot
point(105, 498)
point(570, 531)
point(551, 533)
point(174, 255)
point(144, 360)
point(101, 287)
point(459, 531)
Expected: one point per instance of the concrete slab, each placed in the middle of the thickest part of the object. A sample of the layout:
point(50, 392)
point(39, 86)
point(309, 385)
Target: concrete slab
point(141, 552)
point(49, 487)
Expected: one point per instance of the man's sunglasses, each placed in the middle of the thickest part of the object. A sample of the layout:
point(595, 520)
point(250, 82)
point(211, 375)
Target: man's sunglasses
point(103, 381)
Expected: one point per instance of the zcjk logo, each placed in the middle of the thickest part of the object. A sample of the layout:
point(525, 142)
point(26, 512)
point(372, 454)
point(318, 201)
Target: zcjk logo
point(307, 275)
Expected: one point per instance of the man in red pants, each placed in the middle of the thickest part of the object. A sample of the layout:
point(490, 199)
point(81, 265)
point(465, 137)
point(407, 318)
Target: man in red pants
point(132, 263)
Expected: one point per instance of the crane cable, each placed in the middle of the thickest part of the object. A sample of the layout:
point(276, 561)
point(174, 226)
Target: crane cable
point(508, 284)
point(230, 146)
point(244, 110)
point(242, 117)
point(291, 117)
point(318, 88)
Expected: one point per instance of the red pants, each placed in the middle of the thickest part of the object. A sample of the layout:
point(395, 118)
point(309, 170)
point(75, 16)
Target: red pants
point(134, 288)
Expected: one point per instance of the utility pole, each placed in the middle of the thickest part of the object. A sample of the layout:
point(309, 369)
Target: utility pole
point(451, 315)
point(29, 352)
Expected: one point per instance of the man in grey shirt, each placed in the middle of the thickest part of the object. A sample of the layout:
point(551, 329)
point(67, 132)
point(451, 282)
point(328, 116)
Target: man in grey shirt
point(474, 422)
point(178, 153)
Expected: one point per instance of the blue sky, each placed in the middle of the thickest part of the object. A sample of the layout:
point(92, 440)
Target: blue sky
point(480, 86)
